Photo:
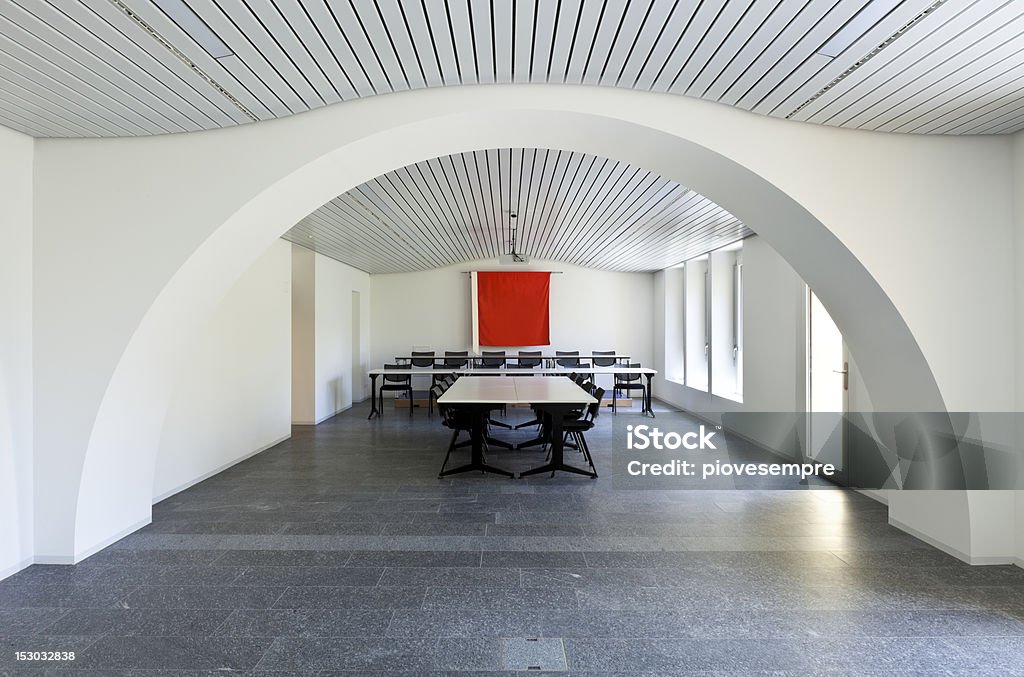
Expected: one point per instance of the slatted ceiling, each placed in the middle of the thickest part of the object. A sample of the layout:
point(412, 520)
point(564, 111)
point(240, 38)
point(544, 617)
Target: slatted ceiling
point(928, 110)
point(571, 207)
point(87, 69)
point(966, 55)
point(870, 80)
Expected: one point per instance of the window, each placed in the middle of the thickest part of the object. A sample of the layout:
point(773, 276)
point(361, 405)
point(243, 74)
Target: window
point(697, 335)
point(713, 322)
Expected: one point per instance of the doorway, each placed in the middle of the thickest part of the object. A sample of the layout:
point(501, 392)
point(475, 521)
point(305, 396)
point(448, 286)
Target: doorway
point(828, 381)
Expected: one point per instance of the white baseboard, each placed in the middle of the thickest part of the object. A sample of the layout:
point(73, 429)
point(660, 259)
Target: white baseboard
point(93, 549)
point(875, 495)
point(208, 475)
point(15, 568)
point(323, 418)
point(962, 556)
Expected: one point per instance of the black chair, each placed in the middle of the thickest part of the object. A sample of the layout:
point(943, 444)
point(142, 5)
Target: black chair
point(627, 382)
point(396, 383)
point(456, 419)
point(569, 358)
point(493, 359)
point(425, 359)
point(604, 361)
point(456, 359)
point(529, 358)
point(575, 428)
point(452, 360)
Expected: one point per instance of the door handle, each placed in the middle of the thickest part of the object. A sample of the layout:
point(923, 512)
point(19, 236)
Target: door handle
point(845, 371)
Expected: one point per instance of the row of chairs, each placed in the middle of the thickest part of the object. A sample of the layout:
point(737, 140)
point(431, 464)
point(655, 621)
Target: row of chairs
point(496, 359)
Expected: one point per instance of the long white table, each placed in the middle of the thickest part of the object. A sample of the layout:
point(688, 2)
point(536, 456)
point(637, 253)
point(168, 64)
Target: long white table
point(553, 395)
point(646, 372)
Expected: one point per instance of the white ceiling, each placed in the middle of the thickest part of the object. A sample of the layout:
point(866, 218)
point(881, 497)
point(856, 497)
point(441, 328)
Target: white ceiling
point(123, 68)
point(570, 207)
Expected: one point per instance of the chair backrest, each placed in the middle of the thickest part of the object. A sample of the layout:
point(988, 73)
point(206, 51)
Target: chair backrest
point(529, 358)
point(436, 392)
point(629, 377)
point(449, 380)
point(603, 361)
point(423, 359)
point(567, 358)
point(398, 378)
point(493, 358)
point(456, 358)
point(588, 386)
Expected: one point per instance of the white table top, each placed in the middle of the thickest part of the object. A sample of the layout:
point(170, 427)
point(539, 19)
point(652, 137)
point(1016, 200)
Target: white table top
point(515, 390)
point(520, 373)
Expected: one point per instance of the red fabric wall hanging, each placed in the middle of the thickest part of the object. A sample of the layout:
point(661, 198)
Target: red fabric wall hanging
point(513, 308)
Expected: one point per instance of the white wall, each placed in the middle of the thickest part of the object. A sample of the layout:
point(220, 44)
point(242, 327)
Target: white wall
point(336, 386)
point(773, 370)
point(323, 382)
point(303, 335)
point(1018, 210)
point(879, 258)
point(233, 397)
point(15, 351)
point(589, 310)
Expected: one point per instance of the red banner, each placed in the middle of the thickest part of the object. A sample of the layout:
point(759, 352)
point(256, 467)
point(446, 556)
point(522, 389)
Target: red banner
point(513, 308)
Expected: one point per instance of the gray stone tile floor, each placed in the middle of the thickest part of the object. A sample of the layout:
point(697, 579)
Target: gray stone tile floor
point(340, 552)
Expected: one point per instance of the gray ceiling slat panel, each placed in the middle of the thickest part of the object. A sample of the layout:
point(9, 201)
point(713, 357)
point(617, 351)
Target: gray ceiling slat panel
point(998, 69)
point(239, 80)
point(48, 81)
point(966, 64)
point(41, 110)
point(879, 78)
point(972, 108)
point(710, 44)
point(57, 104)
point(273, 46)
point(289, 56)
point(280, 96)
point(280, 19)
point(815, 32)
point(501, 39)
point(57, 67)
point(115, 52)
point(79, 62)
point(805, 83)
point(570, 207)
point(543, 41)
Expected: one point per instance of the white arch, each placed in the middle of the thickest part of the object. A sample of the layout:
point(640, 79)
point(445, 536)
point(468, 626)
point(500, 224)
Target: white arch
point(678, 138)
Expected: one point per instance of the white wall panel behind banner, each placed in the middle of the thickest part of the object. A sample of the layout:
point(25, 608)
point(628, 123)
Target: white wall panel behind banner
point(233, 399)
point(590, 310)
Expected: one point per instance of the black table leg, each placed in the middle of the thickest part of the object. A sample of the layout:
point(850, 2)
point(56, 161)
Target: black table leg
point(373, 398)
point(649, 397)
point(478, 435)
point(557, 414)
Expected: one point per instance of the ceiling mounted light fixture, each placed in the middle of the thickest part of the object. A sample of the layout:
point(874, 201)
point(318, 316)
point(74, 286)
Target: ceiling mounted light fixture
point(188, 21)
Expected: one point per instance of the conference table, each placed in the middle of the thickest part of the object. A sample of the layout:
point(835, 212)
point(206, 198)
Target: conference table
point(555, 396)
point(646, 372)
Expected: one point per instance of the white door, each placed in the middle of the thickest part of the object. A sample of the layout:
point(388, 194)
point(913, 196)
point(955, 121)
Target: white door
point(827, 385)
